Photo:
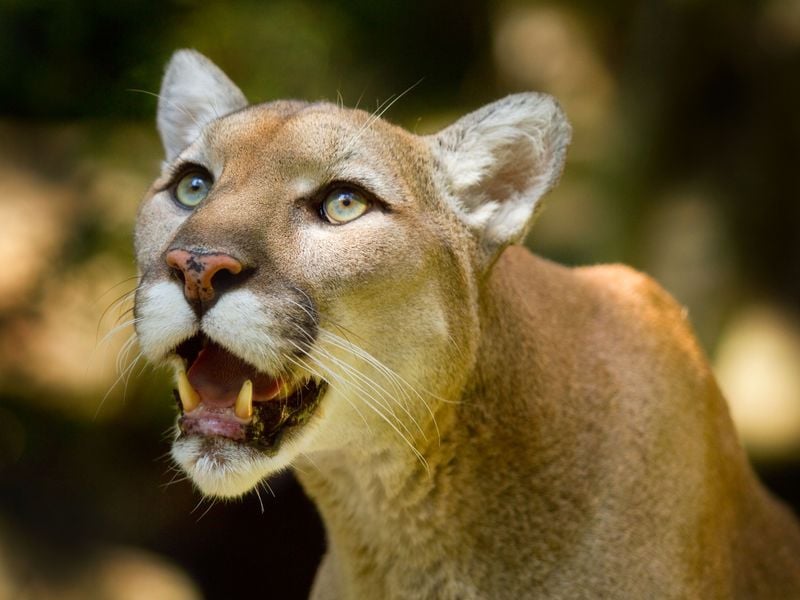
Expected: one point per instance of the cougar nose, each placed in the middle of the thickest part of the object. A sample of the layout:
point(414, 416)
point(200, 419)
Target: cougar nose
point(202, 271)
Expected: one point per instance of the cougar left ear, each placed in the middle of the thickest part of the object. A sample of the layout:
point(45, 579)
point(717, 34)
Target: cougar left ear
point(497, 162)
point(194, 92)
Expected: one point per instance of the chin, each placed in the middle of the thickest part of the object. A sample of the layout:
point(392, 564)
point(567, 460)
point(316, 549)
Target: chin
point(222, 468)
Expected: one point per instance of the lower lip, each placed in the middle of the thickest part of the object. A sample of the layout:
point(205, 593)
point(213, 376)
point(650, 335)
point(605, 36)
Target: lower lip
point(222, 425)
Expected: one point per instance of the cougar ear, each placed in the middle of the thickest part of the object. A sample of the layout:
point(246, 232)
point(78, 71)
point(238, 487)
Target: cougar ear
point(194, 91)
point(497, 162)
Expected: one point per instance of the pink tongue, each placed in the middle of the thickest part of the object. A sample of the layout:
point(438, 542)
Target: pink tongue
point(217, 376)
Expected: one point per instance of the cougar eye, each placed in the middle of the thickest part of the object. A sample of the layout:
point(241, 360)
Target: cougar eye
point(343, 205)
point(192, 188)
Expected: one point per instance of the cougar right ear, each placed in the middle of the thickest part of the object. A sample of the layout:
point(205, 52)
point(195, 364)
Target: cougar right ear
point(194, 92)
point(496, 164)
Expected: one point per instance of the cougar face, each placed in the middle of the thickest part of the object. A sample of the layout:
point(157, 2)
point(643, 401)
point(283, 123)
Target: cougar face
point(277, 274)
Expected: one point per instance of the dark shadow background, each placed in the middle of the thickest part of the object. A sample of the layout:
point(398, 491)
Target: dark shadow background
point(684, 164)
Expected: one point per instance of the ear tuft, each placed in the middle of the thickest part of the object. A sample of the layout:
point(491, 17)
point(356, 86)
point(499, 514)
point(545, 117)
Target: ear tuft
point(498, 162)
point(194, 92)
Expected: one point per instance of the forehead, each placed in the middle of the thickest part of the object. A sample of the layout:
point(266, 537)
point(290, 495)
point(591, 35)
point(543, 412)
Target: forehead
point(315, 141)
point(300, 123)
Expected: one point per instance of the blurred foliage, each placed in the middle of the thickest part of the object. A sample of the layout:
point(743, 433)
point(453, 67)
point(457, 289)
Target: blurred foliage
point(81, 59)
point(686, 135)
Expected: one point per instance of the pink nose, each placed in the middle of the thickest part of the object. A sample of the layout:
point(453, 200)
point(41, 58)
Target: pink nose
point(198, 271)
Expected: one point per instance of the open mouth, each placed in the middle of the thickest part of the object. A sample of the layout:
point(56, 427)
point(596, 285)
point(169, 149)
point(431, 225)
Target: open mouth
point(221, 395)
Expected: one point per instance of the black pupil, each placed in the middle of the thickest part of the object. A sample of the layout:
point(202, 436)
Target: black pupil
point(197, 184)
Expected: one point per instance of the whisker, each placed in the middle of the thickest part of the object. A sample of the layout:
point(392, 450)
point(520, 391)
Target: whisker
point(349, 371)
point(360, 98)
point(168, 436)
point(165, 456)
point(360, 388)
point(198, 505)
point(124, 350)
point(130, 370)
point(294, 466)
point(171, 103)
point(393, 372)
point(260, 501)
point(398, 382)
point(379, 112)
point(119, 283)
point(378, 390)
point(111, 333)
point(265, 483)
point(120, 378)
point(178, 477)
point(107, 339)
point(374, 409)
point(304, 365)
point(210, 506)
point(311, 461)
point(124, 314)
point(304, 309)
point(117, 302)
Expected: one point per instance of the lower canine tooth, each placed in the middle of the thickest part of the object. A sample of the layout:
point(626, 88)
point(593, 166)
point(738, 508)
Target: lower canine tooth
point(189, 397)
point(244, 402)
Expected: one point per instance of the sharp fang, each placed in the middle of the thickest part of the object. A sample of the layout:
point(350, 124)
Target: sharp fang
point(189, 397)
point(244, 402)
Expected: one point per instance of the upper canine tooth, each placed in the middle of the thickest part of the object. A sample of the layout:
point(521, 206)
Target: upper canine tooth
point(189, 397)
point(244, 402)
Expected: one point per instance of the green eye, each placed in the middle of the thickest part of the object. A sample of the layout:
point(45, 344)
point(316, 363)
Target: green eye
point(343, 205)
point(193, 188)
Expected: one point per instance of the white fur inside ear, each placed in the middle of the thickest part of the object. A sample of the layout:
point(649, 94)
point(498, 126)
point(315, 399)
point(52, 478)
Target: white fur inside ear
point(497, 162)
point(194, 92)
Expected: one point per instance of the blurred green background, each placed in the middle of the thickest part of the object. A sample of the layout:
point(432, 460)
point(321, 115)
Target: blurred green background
point(684, 164)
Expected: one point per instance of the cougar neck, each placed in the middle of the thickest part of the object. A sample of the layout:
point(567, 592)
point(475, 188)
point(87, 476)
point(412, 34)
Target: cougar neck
point(502, 443)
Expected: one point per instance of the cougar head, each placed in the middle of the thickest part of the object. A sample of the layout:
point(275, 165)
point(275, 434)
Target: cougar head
point(311, 273)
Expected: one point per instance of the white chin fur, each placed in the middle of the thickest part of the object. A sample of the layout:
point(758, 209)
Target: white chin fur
point(226, 469)
point(220, 468)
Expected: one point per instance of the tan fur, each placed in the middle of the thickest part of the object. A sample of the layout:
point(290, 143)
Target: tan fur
point(571, 440)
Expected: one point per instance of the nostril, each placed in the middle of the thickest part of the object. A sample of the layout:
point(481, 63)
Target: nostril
point(178, 274)
point(223, 280)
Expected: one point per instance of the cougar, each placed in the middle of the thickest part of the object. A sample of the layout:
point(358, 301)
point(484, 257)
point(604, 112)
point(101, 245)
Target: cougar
point(341, 297)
